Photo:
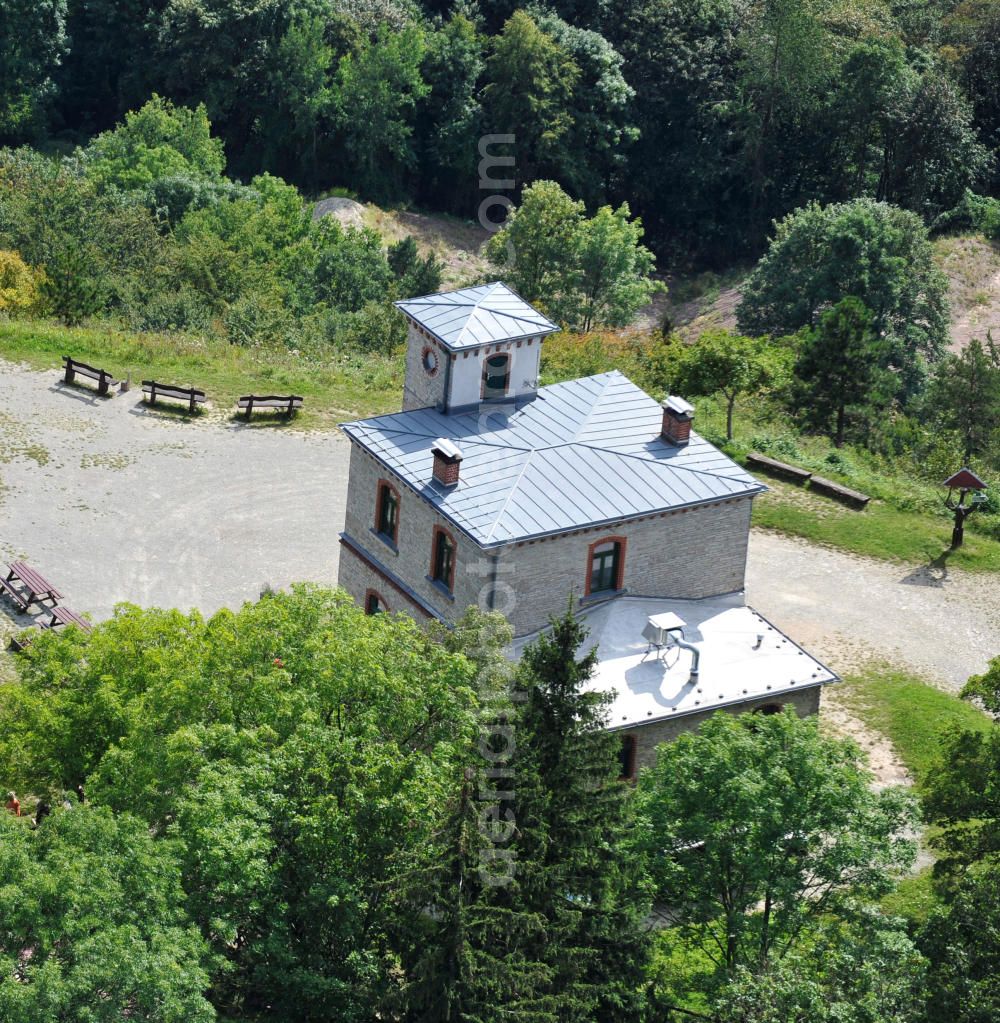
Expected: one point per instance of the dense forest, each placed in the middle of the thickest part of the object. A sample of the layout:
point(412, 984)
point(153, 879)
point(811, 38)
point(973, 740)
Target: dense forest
point(711, 118)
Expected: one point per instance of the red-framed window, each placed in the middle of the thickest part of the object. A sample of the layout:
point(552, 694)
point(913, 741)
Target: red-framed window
point(444, 551)
point(375, 603)
point(605, 565)
point(387, 511)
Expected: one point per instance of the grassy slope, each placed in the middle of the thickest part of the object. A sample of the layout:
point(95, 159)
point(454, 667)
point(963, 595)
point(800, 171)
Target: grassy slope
point(342, 387)
point(906, 522)
point(880, 531)
point(911, 713)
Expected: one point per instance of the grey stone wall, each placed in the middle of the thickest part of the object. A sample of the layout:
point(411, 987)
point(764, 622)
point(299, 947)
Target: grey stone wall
point(689, 554)
point(411, 559)
point(420, 389)
point(806, 703)
point(358, 577)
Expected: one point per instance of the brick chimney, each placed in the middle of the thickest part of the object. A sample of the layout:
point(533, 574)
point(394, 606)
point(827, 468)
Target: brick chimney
point(677, 416)
point(447, 459)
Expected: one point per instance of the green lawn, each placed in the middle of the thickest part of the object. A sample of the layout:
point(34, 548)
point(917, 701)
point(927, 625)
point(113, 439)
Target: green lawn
point(342, 386)
point(906, 520)
point(910, 713)
point(880, 531)
point(914, 898)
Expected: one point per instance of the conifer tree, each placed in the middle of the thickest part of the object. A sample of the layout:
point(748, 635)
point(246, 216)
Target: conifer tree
point(469, 934)
point(842, 370)
point(577, 828)
point(469, 939)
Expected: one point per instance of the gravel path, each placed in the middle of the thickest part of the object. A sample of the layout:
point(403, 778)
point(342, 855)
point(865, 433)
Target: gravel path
point(847, 609)
point(114, 502)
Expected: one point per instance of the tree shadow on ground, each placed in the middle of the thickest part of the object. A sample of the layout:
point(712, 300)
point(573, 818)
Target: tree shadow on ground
point(934, 573)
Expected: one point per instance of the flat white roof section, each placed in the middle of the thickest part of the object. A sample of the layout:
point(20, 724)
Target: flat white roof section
point(743, 658)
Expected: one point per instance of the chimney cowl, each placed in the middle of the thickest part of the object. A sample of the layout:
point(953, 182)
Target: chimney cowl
point(677, 416)
point(447, 459)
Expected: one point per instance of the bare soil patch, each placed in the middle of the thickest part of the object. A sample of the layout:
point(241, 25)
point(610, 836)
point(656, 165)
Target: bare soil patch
point(972, 266)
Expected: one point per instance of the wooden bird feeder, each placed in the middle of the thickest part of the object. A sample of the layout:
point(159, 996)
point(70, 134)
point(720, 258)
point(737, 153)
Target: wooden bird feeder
point(966, 482)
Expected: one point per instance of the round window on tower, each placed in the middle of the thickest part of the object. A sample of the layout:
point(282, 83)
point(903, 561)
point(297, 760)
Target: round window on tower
point(429, 360)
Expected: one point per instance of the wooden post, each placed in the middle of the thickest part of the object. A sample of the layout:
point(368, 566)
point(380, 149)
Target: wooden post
point(69, 371)
point(191, 405)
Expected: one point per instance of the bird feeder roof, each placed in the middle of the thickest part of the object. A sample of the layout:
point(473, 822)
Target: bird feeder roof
point(965, 479)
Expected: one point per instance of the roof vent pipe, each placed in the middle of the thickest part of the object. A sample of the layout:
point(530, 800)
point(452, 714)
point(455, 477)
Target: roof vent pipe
point(679, 640)
point(447, 460)
point(677, 416)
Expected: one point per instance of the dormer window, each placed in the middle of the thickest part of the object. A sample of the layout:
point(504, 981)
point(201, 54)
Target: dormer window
point(496, 375)
point(606, 566)
point(387, 512)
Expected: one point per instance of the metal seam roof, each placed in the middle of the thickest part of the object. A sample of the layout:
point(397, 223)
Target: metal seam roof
point(530, 474)
point(470, 317)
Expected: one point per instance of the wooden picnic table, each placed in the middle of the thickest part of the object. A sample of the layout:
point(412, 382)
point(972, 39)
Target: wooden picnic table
point(59, 616)
point(34, 587)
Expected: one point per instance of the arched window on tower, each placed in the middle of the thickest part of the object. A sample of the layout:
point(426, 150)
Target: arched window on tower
point(496, 375)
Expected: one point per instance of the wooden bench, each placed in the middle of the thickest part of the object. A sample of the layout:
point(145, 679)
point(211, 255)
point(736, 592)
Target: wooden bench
point(776, 468)
point(286, 403)
point(58, 616)
point(105, 381)
point(191, 395)
point(839, 492)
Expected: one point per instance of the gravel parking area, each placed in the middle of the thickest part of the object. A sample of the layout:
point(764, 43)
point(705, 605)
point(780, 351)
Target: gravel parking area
point(114, 502)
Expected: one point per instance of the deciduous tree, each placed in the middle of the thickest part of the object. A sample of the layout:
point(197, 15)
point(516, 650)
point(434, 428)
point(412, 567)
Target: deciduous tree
point(866, 249)
point(377, 91)
point(19, 284)
point(529, 93)
point(757, 827)
point(295, 754)
point(158, 141)
point(95, 925)
point(721, 362)
point(583, 272)
point(34, 39)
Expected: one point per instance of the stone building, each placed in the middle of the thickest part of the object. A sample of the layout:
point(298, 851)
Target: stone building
point(488, 489)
